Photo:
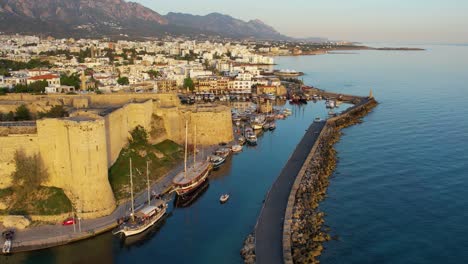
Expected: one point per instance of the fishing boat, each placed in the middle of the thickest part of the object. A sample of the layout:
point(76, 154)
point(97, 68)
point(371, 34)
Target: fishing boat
point(216, 160)
point(192, 176)
point(251, 139)
point(145, 217)
point(223, 152)
point(280, 116)
point(272, 126)
point(266, 126)
point(8, 236)
point(236, 148)
point(330, 104)
point(224, 198)
point(317, 119)
point(241, 140)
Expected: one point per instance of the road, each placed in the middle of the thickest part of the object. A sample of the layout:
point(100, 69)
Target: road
point(269, 228)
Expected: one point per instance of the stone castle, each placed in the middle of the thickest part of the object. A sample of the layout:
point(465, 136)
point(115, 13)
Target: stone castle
point(77, 151)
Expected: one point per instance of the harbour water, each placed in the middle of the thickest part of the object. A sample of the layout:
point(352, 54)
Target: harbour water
point(400, 191)
point(399, 194)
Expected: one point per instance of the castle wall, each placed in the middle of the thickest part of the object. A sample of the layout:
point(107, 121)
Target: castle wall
point(77, 151)
point(9, 146)
point(75, 154)
point(214, 123)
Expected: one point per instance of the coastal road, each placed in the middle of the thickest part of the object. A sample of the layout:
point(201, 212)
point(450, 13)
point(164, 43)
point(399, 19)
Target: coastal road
point(269, 228)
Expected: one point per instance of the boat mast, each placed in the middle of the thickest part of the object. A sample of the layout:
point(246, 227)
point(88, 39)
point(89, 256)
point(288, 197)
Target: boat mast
point(131, 189)
point(147, 179)
point(195, 147)
point(185, 159)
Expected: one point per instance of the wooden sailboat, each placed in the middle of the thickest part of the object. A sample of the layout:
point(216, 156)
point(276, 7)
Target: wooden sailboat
point(193, 176)
point(145, 217)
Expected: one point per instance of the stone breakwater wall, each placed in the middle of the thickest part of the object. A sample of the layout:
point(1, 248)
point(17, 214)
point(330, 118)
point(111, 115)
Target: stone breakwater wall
point(302, 231)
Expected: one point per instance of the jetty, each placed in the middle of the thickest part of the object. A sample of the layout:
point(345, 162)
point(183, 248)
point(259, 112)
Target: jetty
point(273, 231)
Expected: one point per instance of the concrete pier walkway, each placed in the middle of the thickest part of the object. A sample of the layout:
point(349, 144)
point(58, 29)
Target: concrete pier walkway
point(269, 227)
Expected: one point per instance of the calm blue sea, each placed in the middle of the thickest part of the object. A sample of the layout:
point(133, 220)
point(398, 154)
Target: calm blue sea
point(399, 194)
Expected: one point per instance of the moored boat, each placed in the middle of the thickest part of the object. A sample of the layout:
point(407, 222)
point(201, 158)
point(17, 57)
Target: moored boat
point(241, 140)
point(192, 176)
point(216, 160)
point(142, 219)
point(272, 126)
point(8, 236)
point(236, 148)
point(251, 139)
point(317, 119)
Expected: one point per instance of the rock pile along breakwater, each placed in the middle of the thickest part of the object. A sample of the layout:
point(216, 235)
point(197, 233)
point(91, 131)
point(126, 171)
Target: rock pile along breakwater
point(304, 232)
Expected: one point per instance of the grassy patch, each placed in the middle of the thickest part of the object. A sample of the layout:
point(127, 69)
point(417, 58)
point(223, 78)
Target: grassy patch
point(5, 192)
point(162, 157)
point(42, 201)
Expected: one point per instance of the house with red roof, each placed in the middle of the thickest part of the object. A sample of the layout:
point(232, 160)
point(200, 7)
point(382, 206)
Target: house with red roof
point(52, 79)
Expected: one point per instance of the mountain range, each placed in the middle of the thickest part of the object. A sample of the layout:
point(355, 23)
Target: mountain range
point(114, 18)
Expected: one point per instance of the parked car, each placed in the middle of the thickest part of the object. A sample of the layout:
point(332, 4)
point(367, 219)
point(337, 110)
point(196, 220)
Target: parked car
point(69, 221)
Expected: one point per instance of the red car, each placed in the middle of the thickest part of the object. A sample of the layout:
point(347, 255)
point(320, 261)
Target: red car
point(69, 221)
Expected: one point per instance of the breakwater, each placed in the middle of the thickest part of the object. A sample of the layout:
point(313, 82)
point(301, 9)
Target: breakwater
point(292, 201)
point(303, 232)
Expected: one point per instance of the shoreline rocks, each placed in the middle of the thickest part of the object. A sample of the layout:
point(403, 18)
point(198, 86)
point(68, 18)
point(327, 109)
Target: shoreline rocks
point(307, 231)
point(248, 250)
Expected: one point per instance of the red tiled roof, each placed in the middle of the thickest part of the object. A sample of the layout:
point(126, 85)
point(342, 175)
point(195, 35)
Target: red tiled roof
point(44, 77)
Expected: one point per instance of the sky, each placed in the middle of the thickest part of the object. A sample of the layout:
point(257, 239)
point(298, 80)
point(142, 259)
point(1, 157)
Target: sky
point(415, 21)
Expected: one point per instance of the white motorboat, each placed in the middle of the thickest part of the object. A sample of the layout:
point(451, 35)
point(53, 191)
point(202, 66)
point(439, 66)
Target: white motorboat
point(224, 198)
point(6, 247)
point(216, 160)
point(317, 119)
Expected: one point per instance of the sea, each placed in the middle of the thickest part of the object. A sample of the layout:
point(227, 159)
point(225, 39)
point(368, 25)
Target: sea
point(399, 193)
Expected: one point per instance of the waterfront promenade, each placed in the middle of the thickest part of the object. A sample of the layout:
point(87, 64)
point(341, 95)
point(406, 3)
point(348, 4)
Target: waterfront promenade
point(269, 227)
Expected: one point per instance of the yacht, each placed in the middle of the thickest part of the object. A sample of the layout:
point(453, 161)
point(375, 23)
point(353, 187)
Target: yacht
point(192, 176)
point(141, 219)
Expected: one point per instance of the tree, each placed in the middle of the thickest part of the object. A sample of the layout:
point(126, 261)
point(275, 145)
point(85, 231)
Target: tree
point(22, 113)
point(56, 111)
point(10, 116)
point(70, 80)
point(123, 81)
point(38, 87)
point(188, 83)
point(29, 174)
point(139, 136)
point(154, 74)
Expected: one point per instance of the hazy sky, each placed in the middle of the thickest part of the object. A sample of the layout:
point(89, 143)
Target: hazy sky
point(356, 20)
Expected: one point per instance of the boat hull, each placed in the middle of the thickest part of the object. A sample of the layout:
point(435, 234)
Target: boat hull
point(186, 190)
point(132, 232)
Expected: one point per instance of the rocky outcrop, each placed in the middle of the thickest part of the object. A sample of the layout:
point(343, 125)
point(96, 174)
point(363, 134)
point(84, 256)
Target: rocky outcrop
point(16, 221)
point(248, 250)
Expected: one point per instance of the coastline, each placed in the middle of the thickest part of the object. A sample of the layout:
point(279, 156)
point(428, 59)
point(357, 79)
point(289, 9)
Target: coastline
point(336, 50)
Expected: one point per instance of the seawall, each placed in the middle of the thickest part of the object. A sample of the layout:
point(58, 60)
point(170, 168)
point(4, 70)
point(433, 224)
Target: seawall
point(313, 156)
point(302, 232)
